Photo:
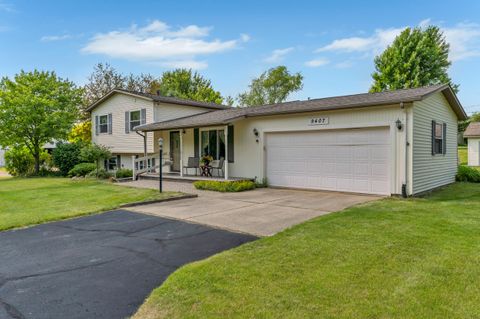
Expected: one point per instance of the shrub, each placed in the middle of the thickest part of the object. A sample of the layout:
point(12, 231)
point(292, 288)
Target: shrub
point(20, 162)
point(227, 186)
point(100, 174)
point(124, 173)
point(66, 156)
point(82, 169)
point(468, 174)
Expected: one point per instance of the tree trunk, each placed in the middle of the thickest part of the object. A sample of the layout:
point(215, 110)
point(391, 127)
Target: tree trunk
point(36, 156)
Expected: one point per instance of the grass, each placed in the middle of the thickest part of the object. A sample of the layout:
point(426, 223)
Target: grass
point(463, 155)
point(393, 258)
point(29, 201)
point(225, 186)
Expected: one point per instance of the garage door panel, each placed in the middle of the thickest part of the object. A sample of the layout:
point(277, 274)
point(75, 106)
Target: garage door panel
point(348, 160)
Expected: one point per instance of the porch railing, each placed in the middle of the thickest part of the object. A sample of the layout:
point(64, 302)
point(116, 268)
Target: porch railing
point(143, 164)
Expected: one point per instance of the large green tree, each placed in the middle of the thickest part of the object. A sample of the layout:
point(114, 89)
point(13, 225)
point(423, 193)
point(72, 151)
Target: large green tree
point(417, 57)
point(272, 86)
point(186, 84)
point(36, 108)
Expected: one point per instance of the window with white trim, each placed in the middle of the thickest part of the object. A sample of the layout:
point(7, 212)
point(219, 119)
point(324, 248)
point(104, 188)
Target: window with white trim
point(135, 119)
point(213, 143)
point(438, 136)
point(103, 123)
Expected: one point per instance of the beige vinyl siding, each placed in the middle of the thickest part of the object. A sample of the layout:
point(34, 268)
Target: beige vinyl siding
point(165, 112)
point(431, 171)
point(474, 151)
point(119, 142)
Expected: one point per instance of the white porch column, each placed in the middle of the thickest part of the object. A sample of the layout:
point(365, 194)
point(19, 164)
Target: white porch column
point(133, 168)
point(181, 153)
point(226, 152)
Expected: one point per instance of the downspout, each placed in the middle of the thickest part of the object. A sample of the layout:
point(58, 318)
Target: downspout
point(144, 148)
point(405, 184)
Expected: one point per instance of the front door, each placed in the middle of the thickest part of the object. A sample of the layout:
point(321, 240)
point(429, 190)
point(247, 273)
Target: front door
point(175, 151)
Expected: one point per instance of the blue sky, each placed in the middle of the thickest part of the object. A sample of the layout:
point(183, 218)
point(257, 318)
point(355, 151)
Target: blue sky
point(332, 43)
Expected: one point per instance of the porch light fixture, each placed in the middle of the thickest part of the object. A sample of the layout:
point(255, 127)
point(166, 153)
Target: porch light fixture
point(255, 132)
point(399, 124)
point(160, 148)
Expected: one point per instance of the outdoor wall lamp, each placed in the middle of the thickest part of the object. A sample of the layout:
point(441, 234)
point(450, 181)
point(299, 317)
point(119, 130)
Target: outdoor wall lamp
point(399, 124)
point(255, 132)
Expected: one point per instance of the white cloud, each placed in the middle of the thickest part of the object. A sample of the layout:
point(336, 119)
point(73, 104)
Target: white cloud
point(344, 65)
point(51, 38)
point(464, 40)
point(244, 37)
point(158, 42)
point(186, 64)
point(315, 63)
point(278, 55)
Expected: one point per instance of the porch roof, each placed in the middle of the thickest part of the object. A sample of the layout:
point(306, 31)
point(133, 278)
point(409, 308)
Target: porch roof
point(224, 117)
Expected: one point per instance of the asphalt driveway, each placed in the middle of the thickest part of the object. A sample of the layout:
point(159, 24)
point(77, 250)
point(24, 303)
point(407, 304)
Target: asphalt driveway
point(100, 266)
point(261, 212)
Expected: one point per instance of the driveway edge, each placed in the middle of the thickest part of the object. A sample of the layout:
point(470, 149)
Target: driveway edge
point(134, 204)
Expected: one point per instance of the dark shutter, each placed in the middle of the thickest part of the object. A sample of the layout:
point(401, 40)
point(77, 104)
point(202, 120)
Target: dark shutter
point(110, 123)
point(119, 165)
point(196, 142)
point(433, 137)
point(127, 122)
point(444, 146)
point(143, 116)
point(231, 151)
point(96, 125)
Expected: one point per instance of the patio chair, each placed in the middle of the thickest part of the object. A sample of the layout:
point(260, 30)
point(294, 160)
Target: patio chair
point(218, 166)
point(193, 162)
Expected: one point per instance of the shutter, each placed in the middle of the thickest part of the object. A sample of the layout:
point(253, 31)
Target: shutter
point(143, 116)
point(444, 142)
point(196, 142)
point(96, 125)
point(231, 143)
point(127, 122)
point(433, 137)
point(118, 162)
point(110, 123)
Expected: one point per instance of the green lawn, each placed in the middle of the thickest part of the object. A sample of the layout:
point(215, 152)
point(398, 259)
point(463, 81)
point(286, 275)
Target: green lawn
point(394, 258)
point(27, 201)
point(463, 155)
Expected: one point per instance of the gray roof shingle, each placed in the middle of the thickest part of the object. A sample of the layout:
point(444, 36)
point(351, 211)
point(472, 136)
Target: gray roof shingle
point(473, 130)
point(161, 99)
point(224, 117)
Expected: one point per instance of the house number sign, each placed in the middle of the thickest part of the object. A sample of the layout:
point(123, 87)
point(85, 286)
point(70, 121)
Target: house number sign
point(318, 121)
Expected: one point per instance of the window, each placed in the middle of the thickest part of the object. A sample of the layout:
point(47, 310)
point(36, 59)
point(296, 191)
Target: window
point(438, 138)
point(103, 123)
point(135, 119)
point(213, 143)
point(112, 163)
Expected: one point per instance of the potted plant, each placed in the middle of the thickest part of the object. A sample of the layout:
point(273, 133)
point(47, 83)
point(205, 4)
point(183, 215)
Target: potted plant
point(206, 159)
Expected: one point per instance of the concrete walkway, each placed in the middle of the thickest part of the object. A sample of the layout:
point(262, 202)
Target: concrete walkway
point(261, 212)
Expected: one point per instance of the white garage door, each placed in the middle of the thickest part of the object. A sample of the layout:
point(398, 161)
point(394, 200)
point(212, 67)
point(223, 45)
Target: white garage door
point(340, 160)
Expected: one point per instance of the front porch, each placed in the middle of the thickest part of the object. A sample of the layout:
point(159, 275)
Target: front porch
point(175, 176)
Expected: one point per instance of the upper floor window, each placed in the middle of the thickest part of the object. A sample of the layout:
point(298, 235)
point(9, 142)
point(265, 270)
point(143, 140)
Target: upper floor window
point(135, 119)
point(103, 123)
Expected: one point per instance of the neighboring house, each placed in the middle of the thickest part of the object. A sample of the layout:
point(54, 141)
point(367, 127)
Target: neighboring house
point(116, 114)
point(472, 134)
point(2, 157)
point(397, 142)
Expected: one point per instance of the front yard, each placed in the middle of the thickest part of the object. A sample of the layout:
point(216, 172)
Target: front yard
point(28, 201)
point(394, 258)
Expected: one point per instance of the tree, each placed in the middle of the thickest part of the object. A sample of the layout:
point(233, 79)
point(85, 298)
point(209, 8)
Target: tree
point(417, 57)
point(81, 133)
point(36, 108)
point(185, 84)
point(65, 156)
point(94, 153)
point(272, 86)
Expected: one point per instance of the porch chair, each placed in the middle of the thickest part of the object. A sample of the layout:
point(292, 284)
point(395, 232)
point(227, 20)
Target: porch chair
point(193, 162)
point(218, 166)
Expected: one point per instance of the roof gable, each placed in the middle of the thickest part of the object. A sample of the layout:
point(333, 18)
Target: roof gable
point(473, 130)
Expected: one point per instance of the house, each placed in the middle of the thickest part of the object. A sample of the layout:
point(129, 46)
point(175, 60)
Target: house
point(472, 134)
point(116, 114)
point(2, 157)
point(396, 142)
